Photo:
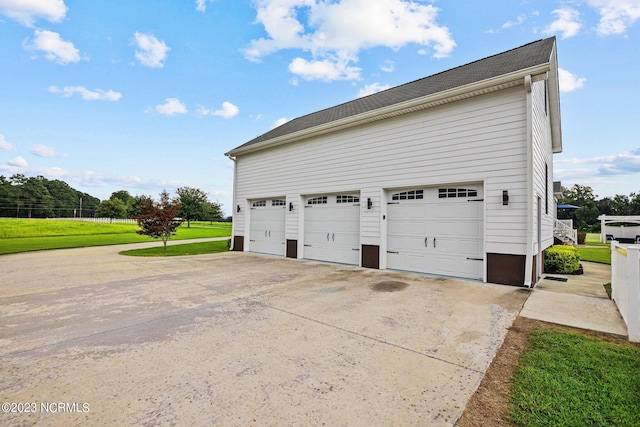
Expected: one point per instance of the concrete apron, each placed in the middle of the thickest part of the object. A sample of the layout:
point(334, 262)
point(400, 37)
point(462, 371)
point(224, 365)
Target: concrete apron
point(236, 339)
point(580, 302)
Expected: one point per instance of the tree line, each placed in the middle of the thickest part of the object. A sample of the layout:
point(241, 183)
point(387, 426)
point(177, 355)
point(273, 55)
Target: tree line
point(193, 205)
point(39, 197)
point(585, 218)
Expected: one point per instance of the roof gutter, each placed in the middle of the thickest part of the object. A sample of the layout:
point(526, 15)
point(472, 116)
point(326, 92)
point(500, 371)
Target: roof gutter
point(516, 78)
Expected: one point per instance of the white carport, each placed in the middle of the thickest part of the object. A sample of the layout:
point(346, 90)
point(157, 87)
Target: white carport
point(622, 233)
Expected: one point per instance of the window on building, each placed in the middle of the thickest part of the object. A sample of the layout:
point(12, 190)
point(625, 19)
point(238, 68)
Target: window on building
point(347, 199)
point(322, 200)
point(447, 193)
point(408, 195)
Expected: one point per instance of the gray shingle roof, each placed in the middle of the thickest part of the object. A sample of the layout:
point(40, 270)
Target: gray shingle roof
point(529, 55)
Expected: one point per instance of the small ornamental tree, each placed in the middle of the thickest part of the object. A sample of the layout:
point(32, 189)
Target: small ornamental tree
point(158, 220)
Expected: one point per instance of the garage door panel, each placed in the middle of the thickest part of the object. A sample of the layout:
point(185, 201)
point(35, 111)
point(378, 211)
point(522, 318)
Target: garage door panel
point(267, 228)
point(454, 221)
point(332, 229)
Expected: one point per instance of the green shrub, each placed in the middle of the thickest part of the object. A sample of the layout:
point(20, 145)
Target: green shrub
point(582, 236)
point(562, 259)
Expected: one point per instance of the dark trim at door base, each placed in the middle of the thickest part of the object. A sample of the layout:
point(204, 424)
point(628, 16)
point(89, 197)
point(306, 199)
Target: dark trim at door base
point(292, 248)
point(371, 256)
point(506, 269)
point(238, 243)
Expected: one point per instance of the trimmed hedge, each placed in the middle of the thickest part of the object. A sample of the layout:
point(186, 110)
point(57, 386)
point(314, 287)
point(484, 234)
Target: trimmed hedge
point(561, 259)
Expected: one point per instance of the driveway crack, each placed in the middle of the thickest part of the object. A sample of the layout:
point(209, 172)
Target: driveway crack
point(378, 340)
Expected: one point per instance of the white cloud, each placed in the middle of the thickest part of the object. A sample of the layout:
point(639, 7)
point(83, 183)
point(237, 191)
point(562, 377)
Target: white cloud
point(27, 11)
point(171, 107)
point(519, 20)
point(334, 32)
point(44, 151)
point(625, 163)
point(55, 49)
point(569, 82)
point(388, 66)
point(616, 15)
point(568, 23)
point(325, 69)
point(371, 89)
point(87, 95)
point(228, 111)
point(279, 122)
point(201, 5)
point(19, 162)
point(4, 145)
point(150, 51)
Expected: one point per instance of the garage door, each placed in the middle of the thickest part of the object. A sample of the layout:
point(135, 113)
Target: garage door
point(267, 226)
point(437, 231)
point(332, 228)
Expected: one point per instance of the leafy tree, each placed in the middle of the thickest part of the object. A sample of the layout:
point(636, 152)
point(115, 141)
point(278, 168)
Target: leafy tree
point(193, 204)
point(65, 199)
point(112, 208)
point(122, 195)
point(634, 203)
point(134, 207)
point(158, 219)
point(32, 197)
point(213, 211)
point(89, 204)
point(582, 196)
point(620, 205)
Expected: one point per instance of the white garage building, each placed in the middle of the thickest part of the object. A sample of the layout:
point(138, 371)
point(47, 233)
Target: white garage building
point(449, 175)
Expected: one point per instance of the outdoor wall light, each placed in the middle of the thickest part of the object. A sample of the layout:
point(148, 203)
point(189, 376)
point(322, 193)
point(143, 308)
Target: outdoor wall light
point(505, 197)
point(369, 203)
point(238, 208)
point(290, 206)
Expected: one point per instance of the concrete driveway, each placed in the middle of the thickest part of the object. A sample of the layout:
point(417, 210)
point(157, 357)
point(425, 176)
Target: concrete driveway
point(239, 339)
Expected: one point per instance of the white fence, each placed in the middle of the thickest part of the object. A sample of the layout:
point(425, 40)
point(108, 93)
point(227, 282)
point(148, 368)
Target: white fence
point(625, 285)
point(108, 220)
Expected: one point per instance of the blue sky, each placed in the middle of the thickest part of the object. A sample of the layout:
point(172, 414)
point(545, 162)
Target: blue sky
point(145, 95)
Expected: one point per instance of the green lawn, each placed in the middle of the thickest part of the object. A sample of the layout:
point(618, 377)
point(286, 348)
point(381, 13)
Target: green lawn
point(22, 235)
point(181, 249)
point(593, 239)
point(568, 379)
point(601, 255)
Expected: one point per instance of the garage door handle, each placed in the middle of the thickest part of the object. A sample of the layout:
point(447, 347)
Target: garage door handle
point(269, 233)
point(333, 237)
point(265, 233)
point(426, 242)
point(327, 237)
point(434, 242)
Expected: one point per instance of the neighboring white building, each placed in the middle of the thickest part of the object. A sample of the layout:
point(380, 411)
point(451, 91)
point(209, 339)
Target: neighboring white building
point(449, 175)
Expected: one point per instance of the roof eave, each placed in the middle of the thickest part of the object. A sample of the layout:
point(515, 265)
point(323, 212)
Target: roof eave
point(493, 84)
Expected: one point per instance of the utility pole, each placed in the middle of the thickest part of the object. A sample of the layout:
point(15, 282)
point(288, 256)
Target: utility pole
point(80, 207)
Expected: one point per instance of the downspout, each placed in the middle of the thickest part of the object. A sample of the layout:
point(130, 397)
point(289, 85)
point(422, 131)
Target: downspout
point(233, 223)
point(528, 266)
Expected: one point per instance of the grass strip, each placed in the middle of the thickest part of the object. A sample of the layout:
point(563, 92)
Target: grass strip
point(600, 255)
point(568, 379)
point(181, 249)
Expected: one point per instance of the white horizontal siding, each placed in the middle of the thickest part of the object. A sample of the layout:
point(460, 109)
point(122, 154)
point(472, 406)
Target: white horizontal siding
point(481, 139)
point(370, 218)
point(542, 154)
